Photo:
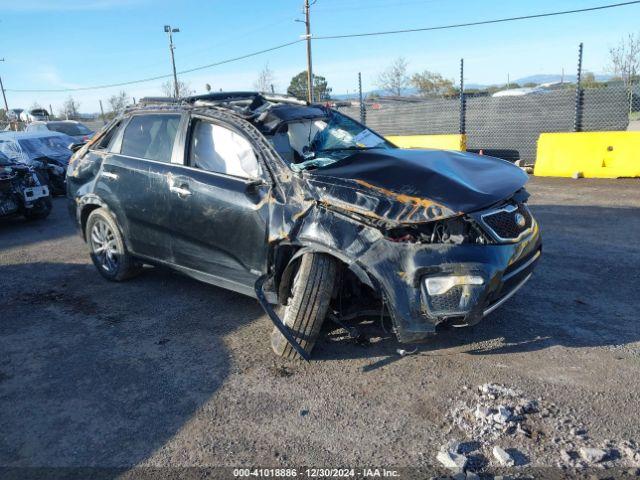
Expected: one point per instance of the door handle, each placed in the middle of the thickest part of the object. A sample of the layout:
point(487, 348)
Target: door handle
point(182, 190)
point(110, 175)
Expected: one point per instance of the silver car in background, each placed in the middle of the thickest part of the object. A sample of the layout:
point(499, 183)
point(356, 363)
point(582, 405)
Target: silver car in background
point(78, 131)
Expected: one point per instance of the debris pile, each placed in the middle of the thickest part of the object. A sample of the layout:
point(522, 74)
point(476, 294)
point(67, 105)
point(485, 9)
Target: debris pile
point(505, 428)
point(497, 410)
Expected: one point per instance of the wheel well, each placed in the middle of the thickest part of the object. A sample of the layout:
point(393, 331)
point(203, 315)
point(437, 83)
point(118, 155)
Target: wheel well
point(285, 269)
point(84, 215)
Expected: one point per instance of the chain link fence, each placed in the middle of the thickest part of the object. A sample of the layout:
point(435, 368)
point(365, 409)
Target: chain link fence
point(505, 125)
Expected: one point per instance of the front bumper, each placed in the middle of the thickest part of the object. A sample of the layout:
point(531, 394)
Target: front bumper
point(400, 269)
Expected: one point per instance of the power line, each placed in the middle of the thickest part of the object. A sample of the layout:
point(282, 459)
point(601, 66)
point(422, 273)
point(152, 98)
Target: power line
point(328, 37)
point(158, 77)
point(471, 24)
point(242, 57)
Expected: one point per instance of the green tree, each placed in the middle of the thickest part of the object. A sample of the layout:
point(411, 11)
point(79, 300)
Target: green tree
point(298, 87)
point(431, 83)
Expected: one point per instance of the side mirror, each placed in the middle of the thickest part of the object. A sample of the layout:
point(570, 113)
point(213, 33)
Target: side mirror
point(74, 147)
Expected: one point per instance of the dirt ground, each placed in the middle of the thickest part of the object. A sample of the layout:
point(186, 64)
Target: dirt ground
point(165, 371)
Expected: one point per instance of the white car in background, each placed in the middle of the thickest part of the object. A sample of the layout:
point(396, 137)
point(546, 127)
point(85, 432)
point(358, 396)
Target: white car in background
point(34, 115)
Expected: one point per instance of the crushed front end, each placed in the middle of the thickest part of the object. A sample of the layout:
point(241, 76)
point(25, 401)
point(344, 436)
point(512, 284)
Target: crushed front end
point(457, 282)
point(451, 270)
point(21, 189)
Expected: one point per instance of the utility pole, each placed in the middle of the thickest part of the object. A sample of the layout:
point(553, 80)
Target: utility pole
point(4, 95)
point(102, 112)
point(363, 112)
point(307, 23)
point(170, 31)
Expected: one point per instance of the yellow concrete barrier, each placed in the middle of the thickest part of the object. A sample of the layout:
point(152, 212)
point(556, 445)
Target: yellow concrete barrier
point(437, 142)
point(594, 154)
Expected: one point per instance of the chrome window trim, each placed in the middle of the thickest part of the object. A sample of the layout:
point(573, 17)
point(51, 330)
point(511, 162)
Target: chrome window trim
point(215, 174)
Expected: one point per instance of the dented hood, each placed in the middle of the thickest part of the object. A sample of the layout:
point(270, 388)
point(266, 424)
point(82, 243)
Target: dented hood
point(443, 182)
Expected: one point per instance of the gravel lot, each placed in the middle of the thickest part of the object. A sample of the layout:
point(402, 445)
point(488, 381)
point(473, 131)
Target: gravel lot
point(165, 371)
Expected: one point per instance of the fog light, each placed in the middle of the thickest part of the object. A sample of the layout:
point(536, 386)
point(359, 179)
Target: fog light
point(441, 285)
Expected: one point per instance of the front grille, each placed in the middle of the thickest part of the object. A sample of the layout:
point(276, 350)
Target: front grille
point(503, 223)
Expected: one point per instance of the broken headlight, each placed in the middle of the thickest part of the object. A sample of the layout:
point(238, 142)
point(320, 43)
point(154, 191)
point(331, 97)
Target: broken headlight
point(455, 230)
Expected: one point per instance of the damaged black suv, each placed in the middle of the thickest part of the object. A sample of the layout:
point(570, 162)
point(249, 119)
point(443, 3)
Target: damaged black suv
point(306, 210)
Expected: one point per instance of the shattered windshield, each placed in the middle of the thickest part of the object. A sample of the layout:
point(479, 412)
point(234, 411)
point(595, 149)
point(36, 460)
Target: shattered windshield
point(4, 160)
point(46, 147)
point(11, 150)
point(324, 141)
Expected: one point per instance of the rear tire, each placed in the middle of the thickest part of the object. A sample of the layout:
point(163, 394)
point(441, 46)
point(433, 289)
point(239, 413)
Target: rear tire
point(308, 303)
point(108, 251)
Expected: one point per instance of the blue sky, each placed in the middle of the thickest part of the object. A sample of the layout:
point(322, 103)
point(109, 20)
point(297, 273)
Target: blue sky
point(52, 44)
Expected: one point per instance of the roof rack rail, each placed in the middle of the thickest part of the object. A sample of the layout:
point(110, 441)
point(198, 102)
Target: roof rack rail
point(158, 100)
point(222, 97)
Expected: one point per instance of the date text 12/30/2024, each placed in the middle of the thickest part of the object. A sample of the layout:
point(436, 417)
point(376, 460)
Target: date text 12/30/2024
point(316, 472)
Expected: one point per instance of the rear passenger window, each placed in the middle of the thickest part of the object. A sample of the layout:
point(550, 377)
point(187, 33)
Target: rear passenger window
point(150, 136)
point(219, 149)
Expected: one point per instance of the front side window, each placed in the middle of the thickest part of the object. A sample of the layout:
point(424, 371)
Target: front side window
point(150, 136)
point(324, 141)
point(107, 138)
point(218, 149)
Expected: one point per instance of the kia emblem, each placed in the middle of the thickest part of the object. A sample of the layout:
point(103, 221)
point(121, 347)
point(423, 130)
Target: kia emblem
point(520, 220)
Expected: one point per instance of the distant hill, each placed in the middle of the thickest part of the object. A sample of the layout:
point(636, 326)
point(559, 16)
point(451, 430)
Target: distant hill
point(537, 79)
point(551, 77)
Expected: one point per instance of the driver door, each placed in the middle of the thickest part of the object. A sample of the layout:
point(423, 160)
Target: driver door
point(220, 209)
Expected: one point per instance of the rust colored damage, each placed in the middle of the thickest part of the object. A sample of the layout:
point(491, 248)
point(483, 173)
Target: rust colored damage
point(434, 210)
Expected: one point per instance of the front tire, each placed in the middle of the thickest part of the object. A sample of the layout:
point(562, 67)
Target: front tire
point(308, 303)
point(108, 251)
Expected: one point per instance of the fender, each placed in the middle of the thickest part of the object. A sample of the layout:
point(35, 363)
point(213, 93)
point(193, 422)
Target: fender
point(81, 204)
point(359, 272)
point(90, 199)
